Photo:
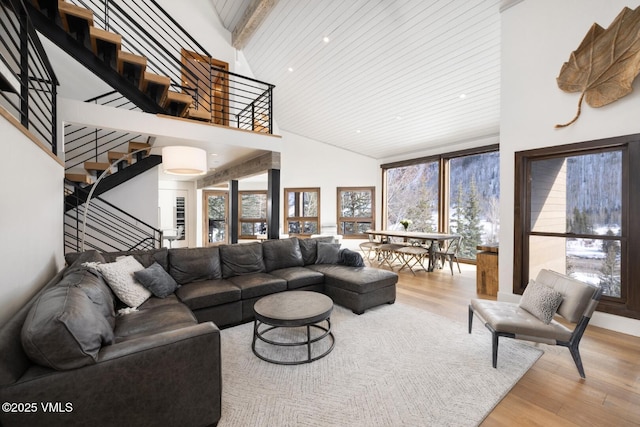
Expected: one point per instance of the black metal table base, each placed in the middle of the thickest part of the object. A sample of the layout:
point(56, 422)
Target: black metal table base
point(259, 335)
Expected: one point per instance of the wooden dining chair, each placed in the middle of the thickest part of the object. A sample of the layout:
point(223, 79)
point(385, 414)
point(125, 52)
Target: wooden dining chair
point(370, 248)
point(387, 253)
point(413, 256)
point(450, 253)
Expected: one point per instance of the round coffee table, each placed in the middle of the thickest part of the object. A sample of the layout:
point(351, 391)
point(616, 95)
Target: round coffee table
point(293, 309)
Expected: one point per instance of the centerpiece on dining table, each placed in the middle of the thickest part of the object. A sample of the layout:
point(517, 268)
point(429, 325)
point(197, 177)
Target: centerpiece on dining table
point(405, 223)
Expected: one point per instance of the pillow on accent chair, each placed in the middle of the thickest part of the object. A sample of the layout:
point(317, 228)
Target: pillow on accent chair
point(351, 258)
point(119, 277)
point(157, 280)
point(540, 300)
point(328, 253)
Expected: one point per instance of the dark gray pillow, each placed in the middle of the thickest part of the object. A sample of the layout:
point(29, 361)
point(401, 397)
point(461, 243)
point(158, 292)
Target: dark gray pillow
point(351, 258)
point(309, 250)
point(64, 329)
point(157, 280)
point(328, 253)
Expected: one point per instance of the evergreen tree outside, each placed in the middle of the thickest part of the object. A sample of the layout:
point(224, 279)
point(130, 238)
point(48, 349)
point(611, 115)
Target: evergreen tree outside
point(455, 222)
point(609, 272)
point(471, 230)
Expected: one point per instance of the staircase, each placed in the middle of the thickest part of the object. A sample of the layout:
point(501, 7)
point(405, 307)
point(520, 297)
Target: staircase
point(72, 28)
point(89, 153)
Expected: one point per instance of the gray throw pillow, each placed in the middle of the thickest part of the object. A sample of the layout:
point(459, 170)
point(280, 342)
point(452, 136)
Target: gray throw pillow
point(540, 300)
point(157, 280)
point(328, 253)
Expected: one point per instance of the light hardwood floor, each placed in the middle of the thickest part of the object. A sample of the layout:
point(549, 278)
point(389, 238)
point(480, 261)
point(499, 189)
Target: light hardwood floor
point(551, 393)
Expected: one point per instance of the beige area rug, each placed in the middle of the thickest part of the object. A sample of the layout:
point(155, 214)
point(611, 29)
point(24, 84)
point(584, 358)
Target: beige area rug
point(395, 365)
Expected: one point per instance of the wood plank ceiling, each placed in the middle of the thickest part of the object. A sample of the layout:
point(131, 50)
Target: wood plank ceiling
point(391, 78)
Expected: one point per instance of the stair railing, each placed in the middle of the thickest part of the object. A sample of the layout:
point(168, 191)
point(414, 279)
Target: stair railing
point(27, 81)
point(84, 144)
point(108, 228)
point(148, 30)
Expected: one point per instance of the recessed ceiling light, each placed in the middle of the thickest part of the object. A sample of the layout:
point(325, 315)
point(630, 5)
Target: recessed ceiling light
point(290, 69)
point(214, 154)
point(463, 96)
point(398, 117)
point(357, 130)
point(325, 39)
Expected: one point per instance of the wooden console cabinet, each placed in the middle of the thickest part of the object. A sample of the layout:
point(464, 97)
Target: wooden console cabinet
point(487, 270)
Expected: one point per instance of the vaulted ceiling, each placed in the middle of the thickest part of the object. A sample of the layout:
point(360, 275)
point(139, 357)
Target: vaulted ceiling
point(378, 77)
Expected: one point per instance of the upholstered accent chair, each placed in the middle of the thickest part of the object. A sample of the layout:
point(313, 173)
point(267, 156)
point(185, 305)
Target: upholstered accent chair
point(577, 301)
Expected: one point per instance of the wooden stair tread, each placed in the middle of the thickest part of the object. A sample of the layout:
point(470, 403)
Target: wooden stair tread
point(177, 103)
point(182, 98)
point(67, 9)
point(156, 86)
point(192, 113)
point(135, 146)
point(105, 36)
point(97, 166)
point(78, 177)
point(114, 156)
point(157, 79)
point(132, 64)
point(132, 58)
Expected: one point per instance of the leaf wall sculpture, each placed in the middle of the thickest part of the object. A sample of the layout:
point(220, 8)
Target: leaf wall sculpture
point(605, 64)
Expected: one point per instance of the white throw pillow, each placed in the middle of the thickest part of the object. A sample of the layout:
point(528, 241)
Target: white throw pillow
point(540, 300)
point(120, 278)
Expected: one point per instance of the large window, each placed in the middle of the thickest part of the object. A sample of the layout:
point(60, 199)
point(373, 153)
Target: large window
point(356, 208)
point(412, 194)
point(474, 193)
point(302, 211)
point(253, 213)
point(572, 215)
point(453, 193)
point(214, 217)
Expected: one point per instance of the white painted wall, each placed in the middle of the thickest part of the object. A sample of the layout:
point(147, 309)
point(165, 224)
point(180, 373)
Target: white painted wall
point(30, 219)
point(537, 38)
point(309, 163)
point(138, 196)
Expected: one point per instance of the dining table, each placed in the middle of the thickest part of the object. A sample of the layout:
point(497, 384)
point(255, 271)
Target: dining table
point(430, 240)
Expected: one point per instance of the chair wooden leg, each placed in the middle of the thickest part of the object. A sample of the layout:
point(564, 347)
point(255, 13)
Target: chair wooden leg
point(470, 318)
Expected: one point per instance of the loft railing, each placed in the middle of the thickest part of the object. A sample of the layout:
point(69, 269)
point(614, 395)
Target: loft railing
point(219, 96)
point(27, 81)
point(108, 228)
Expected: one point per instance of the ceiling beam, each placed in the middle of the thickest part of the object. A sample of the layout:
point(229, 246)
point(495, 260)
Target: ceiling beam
point(255, 166)
point(253, 16)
